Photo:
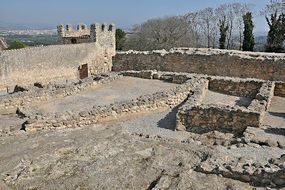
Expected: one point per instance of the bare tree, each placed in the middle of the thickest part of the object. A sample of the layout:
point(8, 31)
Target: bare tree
point(274, 6)
point(193, 21)
point(161, 33)
point(207, 22)
point(233, 13)
point(205, 26)
point(240, 10)
point(195, 29)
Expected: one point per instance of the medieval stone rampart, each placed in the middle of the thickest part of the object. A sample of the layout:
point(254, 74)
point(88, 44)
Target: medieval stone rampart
point(266, 66)
point(57, 62)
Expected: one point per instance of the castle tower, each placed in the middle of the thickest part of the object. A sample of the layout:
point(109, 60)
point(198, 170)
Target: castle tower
point(103, 34)
point(60, 32)
point(94, 28)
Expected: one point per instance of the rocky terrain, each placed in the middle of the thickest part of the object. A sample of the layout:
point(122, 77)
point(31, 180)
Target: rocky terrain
point(127, 139)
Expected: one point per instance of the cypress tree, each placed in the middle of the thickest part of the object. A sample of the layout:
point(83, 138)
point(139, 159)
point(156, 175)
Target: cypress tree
point(120, 39)
point(276, 34)
point(223, 33)
point(248, 41)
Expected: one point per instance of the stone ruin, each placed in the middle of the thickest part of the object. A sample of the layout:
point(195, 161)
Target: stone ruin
point(234, 123)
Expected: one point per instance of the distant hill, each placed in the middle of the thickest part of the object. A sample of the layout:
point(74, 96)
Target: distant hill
point(30, 37)
point(23, 26)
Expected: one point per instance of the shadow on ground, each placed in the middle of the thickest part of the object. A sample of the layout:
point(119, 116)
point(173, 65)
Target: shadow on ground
point(169, 121)
point(275, 131)
point(243, 102)
point(277, 114)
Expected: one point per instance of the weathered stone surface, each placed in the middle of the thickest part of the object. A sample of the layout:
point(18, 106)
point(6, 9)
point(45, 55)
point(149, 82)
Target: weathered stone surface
point(248, 165)
point(267, 66)
point(105, 157)
point(134, 145)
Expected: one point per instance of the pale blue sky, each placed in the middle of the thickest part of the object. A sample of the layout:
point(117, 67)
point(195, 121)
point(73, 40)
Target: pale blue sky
point(124, 13)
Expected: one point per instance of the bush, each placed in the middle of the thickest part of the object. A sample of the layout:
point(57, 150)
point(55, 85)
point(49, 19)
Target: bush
point(16, 45)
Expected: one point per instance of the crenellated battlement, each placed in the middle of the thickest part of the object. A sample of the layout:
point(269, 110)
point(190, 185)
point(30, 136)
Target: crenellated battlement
point(104, 34)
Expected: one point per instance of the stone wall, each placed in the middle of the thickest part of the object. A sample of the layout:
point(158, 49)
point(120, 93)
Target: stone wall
point(235, 87)
point(194, 116)
point(198, 92)
point(205, 118)
point(169, 98)
point(25, 95)
point(279, 89)
point(50, 63)
point(266, 66)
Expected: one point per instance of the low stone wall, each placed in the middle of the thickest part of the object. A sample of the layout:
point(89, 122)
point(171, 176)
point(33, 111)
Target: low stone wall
point(199, 90)
point(279, 89)
point(197, 117)
point(193, 115)
point(205, 118)
point(235, 87)
point(88, 116)
point(32, 94)
point(51, 63)
point(172, 77)
point(263, 98)
point(266, 66)
point(267, 174)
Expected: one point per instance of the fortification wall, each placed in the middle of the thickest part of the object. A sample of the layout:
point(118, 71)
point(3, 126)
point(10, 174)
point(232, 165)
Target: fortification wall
point(266, 66)
point(44, 64)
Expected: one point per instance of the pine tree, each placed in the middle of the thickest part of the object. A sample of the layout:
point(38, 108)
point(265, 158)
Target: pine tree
point(223, 33)
point(248, 41)
point(276, 34)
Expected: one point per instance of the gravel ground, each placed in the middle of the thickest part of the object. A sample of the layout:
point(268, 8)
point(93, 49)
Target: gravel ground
point(227, 100)
point(10, 123)
point(154, 124)
point(275, 116)
point(126, 88)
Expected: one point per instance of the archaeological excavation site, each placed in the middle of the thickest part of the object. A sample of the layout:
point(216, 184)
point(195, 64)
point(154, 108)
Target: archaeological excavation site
point(79, 115)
